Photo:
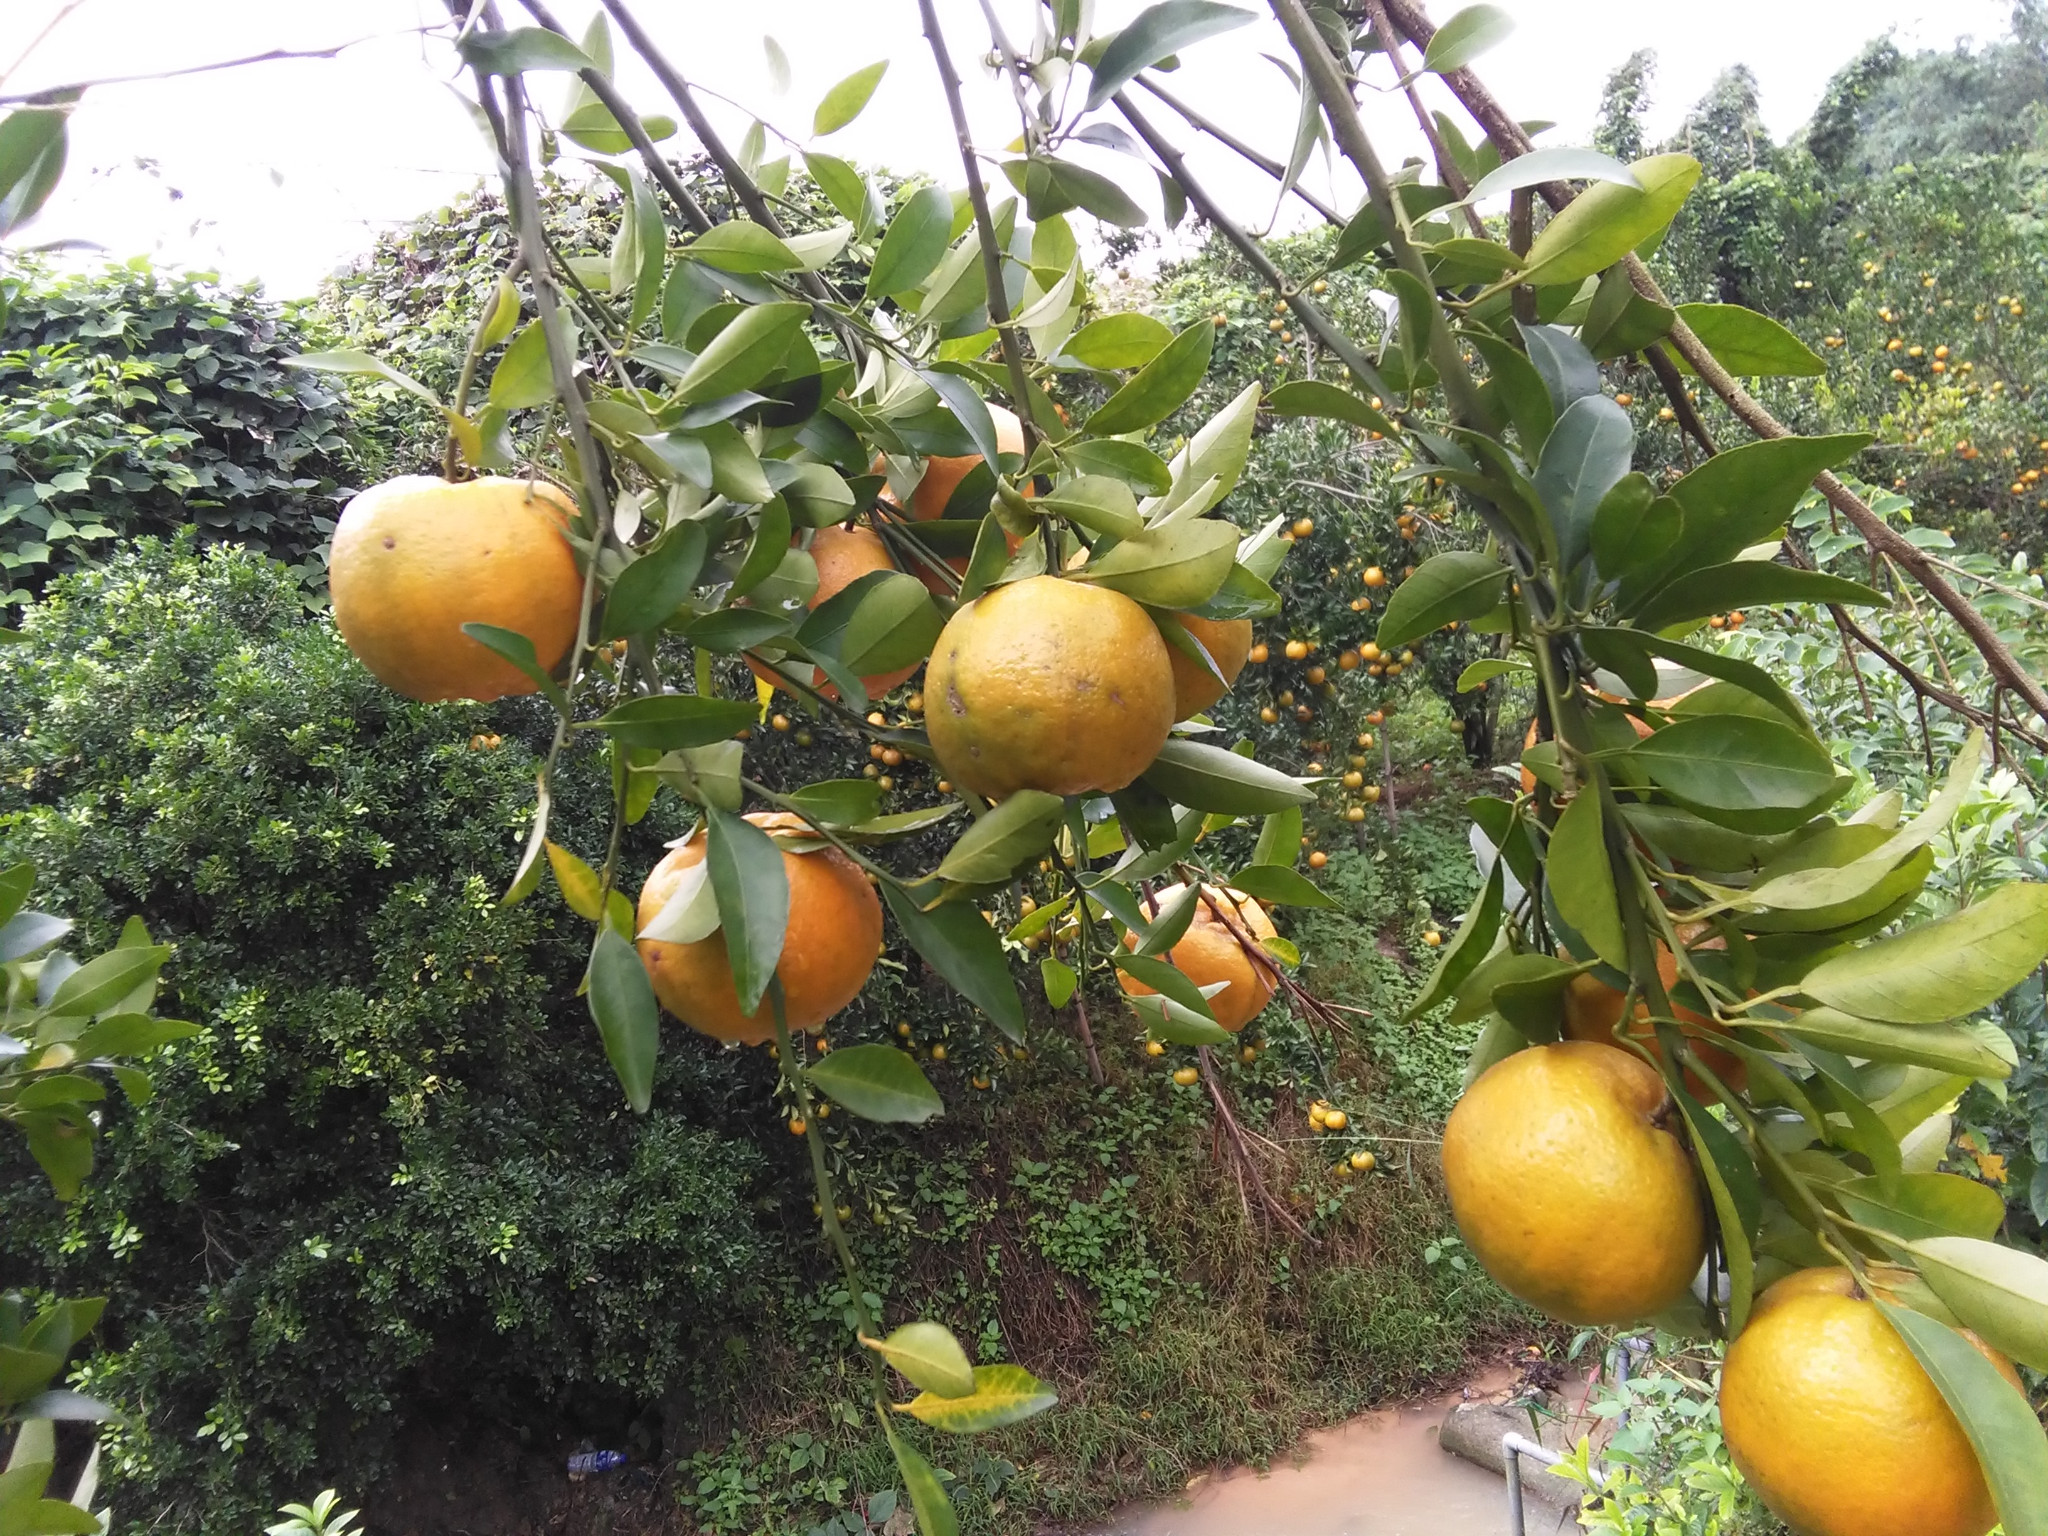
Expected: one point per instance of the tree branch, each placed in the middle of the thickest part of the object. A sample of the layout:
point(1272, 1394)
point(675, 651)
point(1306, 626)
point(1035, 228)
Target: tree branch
point(59, 95)
point(1228, 140)
point(1446, 168)
point(985, 228)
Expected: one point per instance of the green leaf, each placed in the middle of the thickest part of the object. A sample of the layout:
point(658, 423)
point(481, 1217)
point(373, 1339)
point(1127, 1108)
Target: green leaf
point(1458, 585)
point(876, 1082)
point(1998, 1292)
point(744, 353)
point(15, 882)
point(33, 146)
point(1133, 463)
point(1581, 880)
point(61, 1141)
point(1743, 495)
point(1474, 940)
point(893, 625)
point(2010, 1444)
point(1465, 36)
point(1100, 503)
point(1633, 527)
point(1161, 387)
point(668, 722)
point(628, 1021)
point(1312, 397)
point(1944, 1049)
point(518, 49)
point(1749, 344)
point(656, 585)
point(1518, 386)
point(1560, 163)
point(1019, 828)
point(1280, 838)
point(1154, 34)
point(752, 888)
point(1206, 778)
point(1586, 455)
point(130, 1034)
point(845, 101)
point(1744, 584)
point(1738, 1197)
point(106, 979)
point(837, 802)
point(593, 126)
point(1119, 341)
point(1944, 969)
point(1177, 566)
point(578, 882)
point(1745, 675)
point(928, 1497)
point(362, 363)
point(962, 947)
point(1209, 467)
point(1915, 1205)
point(914, 243)
point(1608, 220)
point(929, 1358)
point(1767, 774)
point(1060, 980)
point(740, 246)
point(1279, 886)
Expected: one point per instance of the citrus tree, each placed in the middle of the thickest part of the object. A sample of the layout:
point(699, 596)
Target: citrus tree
point(1712, 1054)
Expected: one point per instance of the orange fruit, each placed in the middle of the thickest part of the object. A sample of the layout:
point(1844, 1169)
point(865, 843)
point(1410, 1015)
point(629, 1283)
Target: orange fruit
point(1833, 1422)
point(1592, 1009)
point(418, 557)
point(944, 472)
point(1048, 684)
point(1209, 952)
point(1228, 642)
point(834, 935)
point(1570, 1184)
point(843, 556)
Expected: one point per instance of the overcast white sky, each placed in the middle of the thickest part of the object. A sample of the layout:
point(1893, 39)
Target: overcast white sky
point(282, 171)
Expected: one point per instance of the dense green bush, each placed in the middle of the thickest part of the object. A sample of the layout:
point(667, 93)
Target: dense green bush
point(137, 402)
point(394, 1169)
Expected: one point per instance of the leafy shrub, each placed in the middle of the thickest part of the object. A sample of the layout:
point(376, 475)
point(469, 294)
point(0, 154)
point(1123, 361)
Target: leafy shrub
point(137, 402)
point(393, 1171)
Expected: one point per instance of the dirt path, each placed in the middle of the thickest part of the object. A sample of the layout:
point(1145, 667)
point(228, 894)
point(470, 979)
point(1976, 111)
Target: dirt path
point(1382, 1474)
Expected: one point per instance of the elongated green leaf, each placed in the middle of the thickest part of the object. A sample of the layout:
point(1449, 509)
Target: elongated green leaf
point(1159, 388)
point(1607, 221)
point(1003, 1394)
point(1280, 838)
point(1133, 463)
point(876, 1082)
point(846, 100)
point(1279, 886)
point(753, 900)
point(928, 1497)
point(1018, 829)
point(1156, 32)
point(1313, 397)
point(1165, 979)
point(1446, 588)
point(892, 626)
point(1741, 763)
point(914, 243)
point(1101, 504)
point(1585, 457)
point(15, 882)
point(1746, 584)
point(1465, 37)
point(593, 126)
point(1633, 528)
point(2010, 1444)
point(1744, 495)
point(1745, 342)
point(744, 353)
point(1945, 1049)
point(1206, 778)
point(1738, 1198)
point(518, 49)
point(1559, 163)
point(656, 585)
point(628, 1021)
point(1916, 1205)
point(33, 147)
point(362, 363)
point(1999, 1292)
point(1119, 341)
point(1581, 881)
point(1745, 675)
point(131, 1034)
point(1474, 938)
point(668, 722)
point(1178, 566)
point(106, 979)
point(1212, 463)
point(1941, 970)
point(740, 246)
point(1174, 914)
point(1060, 980)
point(962, 948)
point(929, 1357)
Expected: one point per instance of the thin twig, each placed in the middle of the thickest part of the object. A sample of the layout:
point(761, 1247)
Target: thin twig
point(1230, 141)
point(1446, 167)
point(985, 229)
point(1227, 1121)
point(55, 95)
point(56, 20)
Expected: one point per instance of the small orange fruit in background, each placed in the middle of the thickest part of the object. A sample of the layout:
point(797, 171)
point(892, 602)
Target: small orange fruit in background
point(1228, 642)
point(418, 557)
point(834, 934)
point(1048, 684)
point(1210, 952)
point(1838, 1428)
point(1569, 1182)
point(843, 556)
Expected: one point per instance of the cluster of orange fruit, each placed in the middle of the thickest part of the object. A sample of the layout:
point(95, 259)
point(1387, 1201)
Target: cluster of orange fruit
point(1046, 684)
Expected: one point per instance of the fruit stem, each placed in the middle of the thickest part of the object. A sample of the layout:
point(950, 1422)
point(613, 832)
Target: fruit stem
point(787, 1060)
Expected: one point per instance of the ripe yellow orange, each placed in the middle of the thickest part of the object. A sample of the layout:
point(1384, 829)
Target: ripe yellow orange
point(1048, 684)
point(1187, 1077)
point(418, 557)
point(1592, 1009)
point(834, 935)
point(943, 473)
point(1213, 950)
point(1832, 1420)
point(843, 556)
point(1569, 1182)
point(1228, 642)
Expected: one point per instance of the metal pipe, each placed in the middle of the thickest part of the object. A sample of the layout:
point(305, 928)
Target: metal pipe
point(1513, 1447)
